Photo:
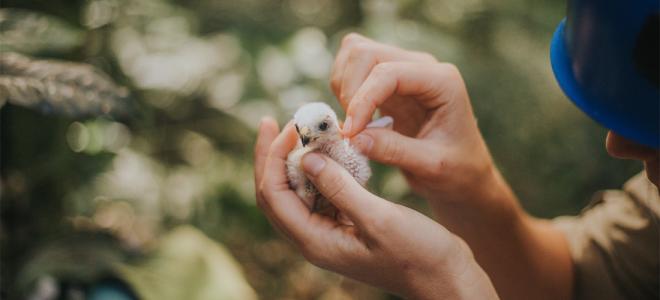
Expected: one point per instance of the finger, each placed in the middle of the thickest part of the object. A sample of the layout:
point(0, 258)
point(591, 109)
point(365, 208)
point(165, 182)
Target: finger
point(364, 55)
point(361, 59)
point(339, 66)
point(382, 122)
point(341, 189)
point(337, 72)
point(425, 83)
point(392, 148)
point(279, 201)
point(318, 237)
point(268, 130)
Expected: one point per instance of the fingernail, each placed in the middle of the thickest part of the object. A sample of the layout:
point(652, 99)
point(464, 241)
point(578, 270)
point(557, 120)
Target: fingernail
point(363, 142)
point(313, 163)
point(347, 125)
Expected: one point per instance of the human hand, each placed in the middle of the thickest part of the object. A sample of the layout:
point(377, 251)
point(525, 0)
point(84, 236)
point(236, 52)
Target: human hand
point(436, 141)
point(437, 145)
point(388, 245)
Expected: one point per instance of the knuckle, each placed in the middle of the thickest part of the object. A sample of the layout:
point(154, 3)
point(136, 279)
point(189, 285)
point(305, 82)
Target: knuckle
point(427, 57)
point(359, 50)
point(430, 57)
point(383, 69)
point(350, 39)
point(452, 70)
point(391, 151)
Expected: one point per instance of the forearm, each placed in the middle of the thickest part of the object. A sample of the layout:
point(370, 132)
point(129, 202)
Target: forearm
point(526, 258)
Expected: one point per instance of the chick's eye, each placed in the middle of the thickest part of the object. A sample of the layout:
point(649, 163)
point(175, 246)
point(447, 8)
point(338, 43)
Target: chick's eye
point(323, 126)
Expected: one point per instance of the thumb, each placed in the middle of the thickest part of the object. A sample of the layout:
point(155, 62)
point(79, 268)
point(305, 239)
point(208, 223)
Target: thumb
point(341, 189)
point(392, 148)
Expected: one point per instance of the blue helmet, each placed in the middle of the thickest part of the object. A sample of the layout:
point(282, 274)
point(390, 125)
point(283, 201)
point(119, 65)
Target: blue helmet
point(605, 58)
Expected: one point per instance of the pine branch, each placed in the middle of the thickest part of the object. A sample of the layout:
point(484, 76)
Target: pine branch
point(59, 87)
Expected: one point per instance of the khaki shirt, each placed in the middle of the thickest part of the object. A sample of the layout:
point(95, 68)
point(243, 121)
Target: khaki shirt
point(614, 243)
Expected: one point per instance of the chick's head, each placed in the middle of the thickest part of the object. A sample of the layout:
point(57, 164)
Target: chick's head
point(316, 123)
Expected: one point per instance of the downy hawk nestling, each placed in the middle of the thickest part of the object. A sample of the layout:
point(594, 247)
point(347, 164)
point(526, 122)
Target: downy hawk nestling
point(318, 129)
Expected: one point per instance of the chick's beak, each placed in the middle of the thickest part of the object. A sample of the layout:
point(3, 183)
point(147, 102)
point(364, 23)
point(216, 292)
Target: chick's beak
point(304, 134)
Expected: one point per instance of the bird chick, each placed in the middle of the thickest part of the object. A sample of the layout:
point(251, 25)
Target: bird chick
point(318, 129)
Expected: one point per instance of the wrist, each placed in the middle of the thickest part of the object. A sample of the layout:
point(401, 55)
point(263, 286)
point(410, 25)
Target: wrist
point(458, 277)
point(471, 188)
point(483, 210)
point(465, 176)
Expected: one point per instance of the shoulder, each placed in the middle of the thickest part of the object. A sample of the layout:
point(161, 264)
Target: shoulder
point(614, 243)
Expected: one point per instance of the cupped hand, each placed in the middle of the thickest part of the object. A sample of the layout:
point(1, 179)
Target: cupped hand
point(387, 245)
point(436, 141)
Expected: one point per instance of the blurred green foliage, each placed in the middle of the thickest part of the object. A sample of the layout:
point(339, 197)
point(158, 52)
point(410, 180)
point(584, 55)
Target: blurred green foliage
point(201, 73)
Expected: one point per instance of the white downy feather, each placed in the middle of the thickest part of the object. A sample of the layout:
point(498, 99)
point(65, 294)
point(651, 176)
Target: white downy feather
point(308, 119)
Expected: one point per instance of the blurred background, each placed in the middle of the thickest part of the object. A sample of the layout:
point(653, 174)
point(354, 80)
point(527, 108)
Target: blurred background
point(127, 129)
